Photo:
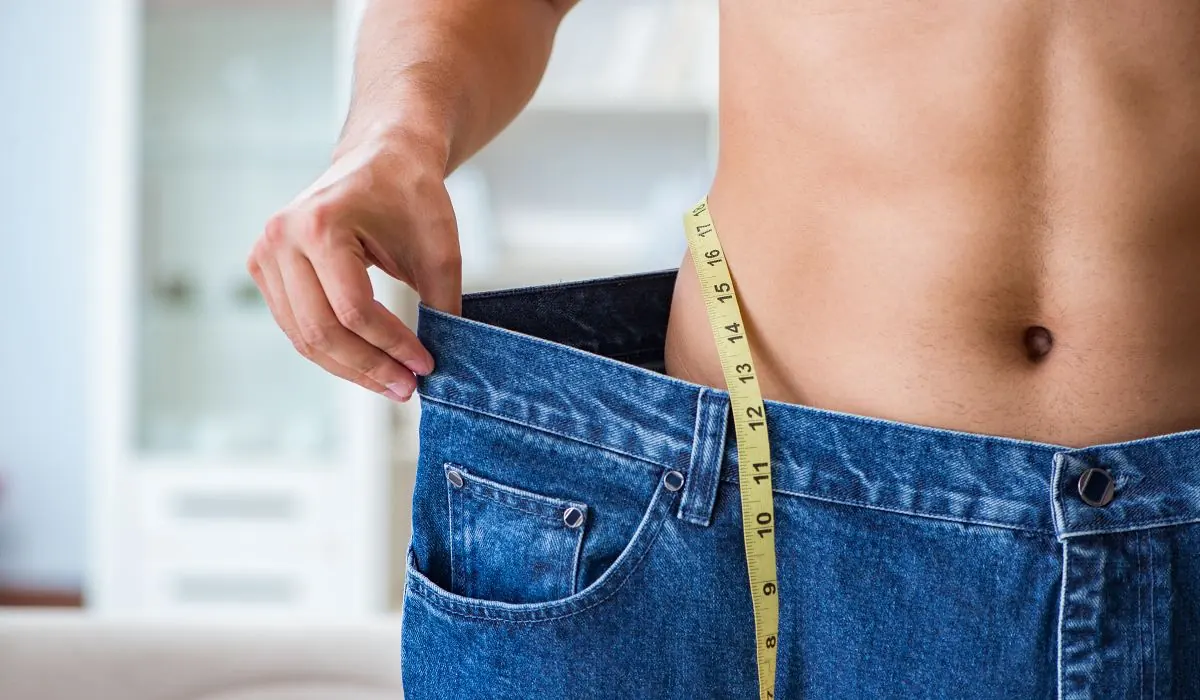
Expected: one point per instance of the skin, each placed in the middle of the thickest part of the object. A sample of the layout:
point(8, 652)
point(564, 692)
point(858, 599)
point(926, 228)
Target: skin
point(980, 216)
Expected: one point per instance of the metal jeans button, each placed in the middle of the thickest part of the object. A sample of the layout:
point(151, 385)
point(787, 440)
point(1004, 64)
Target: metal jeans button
point(1096, 487)
point(573, 517)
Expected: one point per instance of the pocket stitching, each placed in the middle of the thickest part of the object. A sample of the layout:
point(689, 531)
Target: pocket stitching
point(432, 595)
point(484, 611)
point(509, 497)
point(498, 493)
point(450, 509)
point(512, 506)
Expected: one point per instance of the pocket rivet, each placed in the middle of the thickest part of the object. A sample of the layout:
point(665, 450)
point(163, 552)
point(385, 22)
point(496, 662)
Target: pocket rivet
point(673, 480)
point(573, 517)
point(455, 479)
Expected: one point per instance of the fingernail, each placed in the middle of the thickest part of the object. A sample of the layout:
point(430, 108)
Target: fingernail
point(398, 392)
point(418, 367)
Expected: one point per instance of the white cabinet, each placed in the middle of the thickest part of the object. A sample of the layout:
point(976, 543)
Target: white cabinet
point(229, 474)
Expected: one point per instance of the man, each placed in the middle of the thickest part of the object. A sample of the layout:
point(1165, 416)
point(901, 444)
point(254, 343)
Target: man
point(964, 238)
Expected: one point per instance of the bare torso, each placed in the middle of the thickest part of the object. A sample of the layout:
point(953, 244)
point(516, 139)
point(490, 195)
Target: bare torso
point(906, 189)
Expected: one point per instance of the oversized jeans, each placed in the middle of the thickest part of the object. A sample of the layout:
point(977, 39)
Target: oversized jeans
point(577, 533)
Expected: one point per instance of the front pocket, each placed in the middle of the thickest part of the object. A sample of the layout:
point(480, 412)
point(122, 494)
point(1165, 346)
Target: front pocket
point(510, 545)
point(419, 585)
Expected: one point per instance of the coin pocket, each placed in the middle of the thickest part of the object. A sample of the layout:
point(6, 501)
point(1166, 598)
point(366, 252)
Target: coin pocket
point(509, 544)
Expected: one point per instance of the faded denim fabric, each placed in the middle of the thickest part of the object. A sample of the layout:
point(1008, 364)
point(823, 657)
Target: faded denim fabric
point(576, 533)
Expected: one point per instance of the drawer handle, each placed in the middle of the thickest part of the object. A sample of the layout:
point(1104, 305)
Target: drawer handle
point(197, 588)
point(235, 506)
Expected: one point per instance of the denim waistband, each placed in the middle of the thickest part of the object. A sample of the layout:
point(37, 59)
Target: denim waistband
point(583, 360)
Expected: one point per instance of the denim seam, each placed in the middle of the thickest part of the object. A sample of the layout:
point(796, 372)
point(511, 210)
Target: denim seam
point(1060, 518)
point(1153, 630)
point(548, 431)
point(511, 506)
point(492, 616)
point(699, 495)
point(484, 491)
point(1136, 526)
point(1062, 610)
point(697, 451)
point(578, 556)
point(1141, 632)
point(1191, 433)
point(944, 518)
point(450, 533)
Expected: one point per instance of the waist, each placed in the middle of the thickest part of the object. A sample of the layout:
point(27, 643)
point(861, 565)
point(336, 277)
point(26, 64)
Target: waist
point(583, 361)
point(1080, 335)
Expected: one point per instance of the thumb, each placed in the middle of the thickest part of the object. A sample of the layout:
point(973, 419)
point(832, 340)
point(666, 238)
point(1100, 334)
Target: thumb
point(438, 278)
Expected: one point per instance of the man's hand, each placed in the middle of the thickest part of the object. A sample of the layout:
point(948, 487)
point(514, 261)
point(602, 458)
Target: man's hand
point(434, 81)
point(382, 202)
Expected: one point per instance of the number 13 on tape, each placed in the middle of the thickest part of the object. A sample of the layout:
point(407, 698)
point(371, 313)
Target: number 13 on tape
point(750, 427)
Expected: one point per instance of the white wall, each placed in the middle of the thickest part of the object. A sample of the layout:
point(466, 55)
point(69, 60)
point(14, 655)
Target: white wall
point(45, 48)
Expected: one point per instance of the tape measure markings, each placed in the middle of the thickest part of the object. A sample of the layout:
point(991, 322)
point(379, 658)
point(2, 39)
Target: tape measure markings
point(750, 429)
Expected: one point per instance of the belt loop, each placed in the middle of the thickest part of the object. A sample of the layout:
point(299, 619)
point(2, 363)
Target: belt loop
point(708, 449)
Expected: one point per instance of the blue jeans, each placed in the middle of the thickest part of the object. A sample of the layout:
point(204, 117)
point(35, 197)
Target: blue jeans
point(576, 533)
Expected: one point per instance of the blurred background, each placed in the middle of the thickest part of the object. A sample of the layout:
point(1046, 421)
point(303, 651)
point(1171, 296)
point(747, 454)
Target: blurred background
point(164, 453)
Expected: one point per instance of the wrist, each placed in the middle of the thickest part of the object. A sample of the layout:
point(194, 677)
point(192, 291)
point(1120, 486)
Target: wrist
point(410, 137)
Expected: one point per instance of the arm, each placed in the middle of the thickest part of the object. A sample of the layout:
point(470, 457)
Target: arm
point(455, 72)
point(435, 80)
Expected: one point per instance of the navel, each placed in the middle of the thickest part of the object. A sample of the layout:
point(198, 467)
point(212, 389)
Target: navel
point(1038, 341)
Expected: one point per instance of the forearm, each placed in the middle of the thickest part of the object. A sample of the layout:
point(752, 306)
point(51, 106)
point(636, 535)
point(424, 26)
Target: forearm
point(450, 73)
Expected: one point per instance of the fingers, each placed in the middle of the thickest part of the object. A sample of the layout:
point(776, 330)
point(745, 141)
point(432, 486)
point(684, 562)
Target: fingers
point(321, 331)
point(319, 336)
point(347, 287)
point(312, 260)
point(266, 276)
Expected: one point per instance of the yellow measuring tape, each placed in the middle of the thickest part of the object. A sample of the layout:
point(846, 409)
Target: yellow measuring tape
point(750, 427)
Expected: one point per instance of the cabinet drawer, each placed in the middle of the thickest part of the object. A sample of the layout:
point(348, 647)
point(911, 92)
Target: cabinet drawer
point(266, 508)
point(266, 585)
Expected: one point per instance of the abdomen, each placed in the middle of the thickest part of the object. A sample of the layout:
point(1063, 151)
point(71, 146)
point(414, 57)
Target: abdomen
point(904, 191)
